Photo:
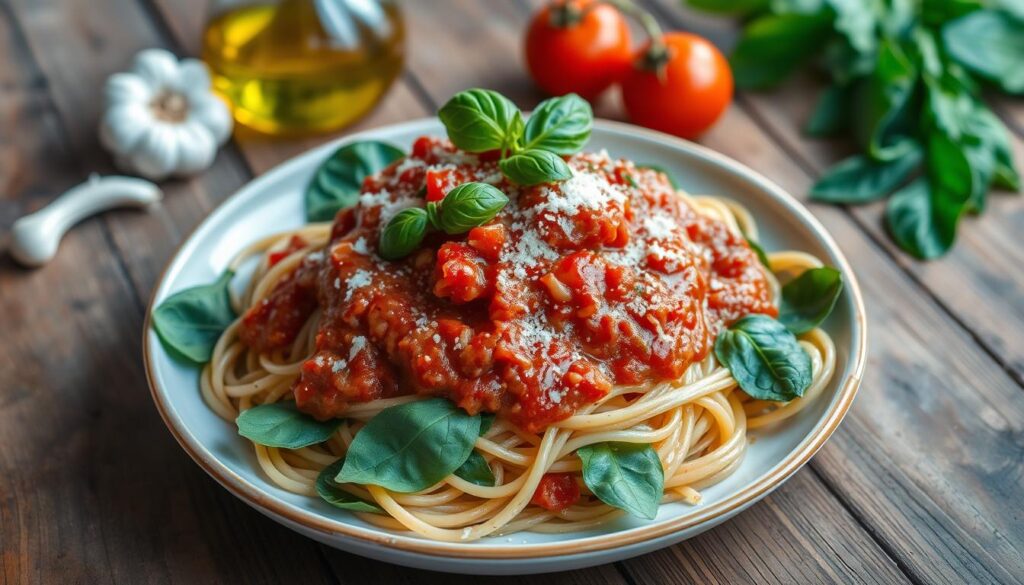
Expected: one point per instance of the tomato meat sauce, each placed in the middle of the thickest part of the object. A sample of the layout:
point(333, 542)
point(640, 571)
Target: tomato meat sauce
point(607, 278)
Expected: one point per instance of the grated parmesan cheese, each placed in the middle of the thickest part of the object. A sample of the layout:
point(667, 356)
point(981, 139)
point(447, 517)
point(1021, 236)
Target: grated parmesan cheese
point(359, 279)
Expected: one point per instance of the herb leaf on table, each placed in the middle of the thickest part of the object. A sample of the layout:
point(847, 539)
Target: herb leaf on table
point(906, 85)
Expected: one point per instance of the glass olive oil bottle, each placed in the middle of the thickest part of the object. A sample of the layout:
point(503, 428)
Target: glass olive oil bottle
point(303, 66)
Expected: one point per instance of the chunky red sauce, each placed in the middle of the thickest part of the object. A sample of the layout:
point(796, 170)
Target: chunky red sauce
point(608, 278)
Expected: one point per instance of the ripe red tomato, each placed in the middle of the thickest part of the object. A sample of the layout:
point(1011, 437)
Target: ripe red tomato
point(575, 46)
point(687, 95)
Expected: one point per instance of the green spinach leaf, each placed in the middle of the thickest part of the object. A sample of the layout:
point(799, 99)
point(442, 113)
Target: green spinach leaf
point(337, 183)
point(765, 358)
point(190, 322)
point(412, 446)
point(627, 476)
point(476, 470)
point(991, 44)
point(329, 491)
point(282, 425)
point(922, 220)
point(859, 179)
point(773, 46)
point(809, 298)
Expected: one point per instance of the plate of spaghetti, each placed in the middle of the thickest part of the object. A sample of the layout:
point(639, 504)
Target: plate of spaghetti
point(496, 343)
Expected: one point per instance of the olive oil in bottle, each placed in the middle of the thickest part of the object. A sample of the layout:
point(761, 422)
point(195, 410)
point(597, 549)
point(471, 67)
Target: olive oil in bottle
point(302, 66)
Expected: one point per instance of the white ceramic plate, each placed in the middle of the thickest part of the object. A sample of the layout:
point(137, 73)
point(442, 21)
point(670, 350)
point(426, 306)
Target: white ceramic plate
point(274, 202)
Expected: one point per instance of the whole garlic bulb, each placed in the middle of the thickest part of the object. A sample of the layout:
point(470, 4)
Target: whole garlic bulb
point(161, 118)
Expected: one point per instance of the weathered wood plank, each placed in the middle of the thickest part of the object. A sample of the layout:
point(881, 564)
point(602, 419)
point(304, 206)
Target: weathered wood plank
point(96, 490)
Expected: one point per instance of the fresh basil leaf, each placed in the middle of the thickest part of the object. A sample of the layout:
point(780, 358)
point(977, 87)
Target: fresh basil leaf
point(338, 181)
point(672, 180)
point(935, 13)
point(190, 322)
point(831, 114)
point(765, 358)
point(533, 167)
point(773, 46)
point(403, 234)
point(486, 420)
point(561, 125)
point(412, 446)
point(469, 205)
point(329, 491)
point(809, 298)
point(923, 221)
point(991, 44)
point(761, 256)
point(476, 470)
point(859, 179)
point(627, 476)
point(888, 121)
point(857, 21)
point(479, 120)
point(281, 424)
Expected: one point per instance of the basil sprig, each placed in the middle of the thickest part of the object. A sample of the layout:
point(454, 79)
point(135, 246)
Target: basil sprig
point(338, 181)
point(190, 322)
point(624, 475)
point(764, 358)
point(412, 446)
point(809, 298)
point(330, 492)
point(282, 425)
point(465, 207)
point(480, 120)
point(905, 85)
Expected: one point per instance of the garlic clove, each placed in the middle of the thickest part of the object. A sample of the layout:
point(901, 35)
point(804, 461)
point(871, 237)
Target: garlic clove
point(127, 87)
point(36, 237)
point(157, 66)
point(157, 154)
point(196, 148)
point(208, 110)
point(193, 78)
point(123, 126)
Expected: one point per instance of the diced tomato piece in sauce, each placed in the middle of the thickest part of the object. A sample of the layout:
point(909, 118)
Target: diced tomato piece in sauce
point(440, 182)
point(295, 244)
point(460, 274)
point(556, 492)
point(488, 240)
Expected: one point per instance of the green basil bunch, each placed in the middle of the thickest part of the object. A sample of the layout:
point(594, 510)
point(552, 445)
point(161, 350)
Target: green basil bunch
point(905, 84)
point(464, 208)
point(480, 120)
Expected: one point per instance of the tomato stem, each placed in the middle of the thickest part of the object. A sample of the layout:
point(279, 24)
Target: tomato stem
point(564, 14)
point(656, 54)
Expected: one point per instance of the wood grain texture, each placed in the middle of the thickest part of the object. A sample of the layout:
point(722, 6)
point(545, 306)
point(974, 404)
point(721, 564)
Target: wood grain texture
point(922, 483)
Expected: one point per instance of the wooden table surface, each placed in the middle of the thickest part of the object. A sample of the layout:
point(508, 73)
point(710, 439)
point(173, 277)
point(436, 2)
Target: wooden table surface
point(923, 482)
